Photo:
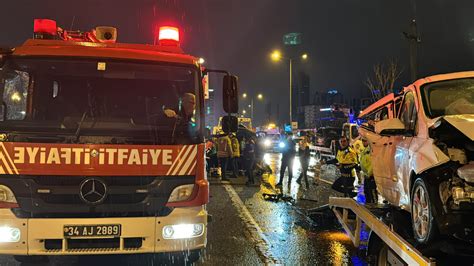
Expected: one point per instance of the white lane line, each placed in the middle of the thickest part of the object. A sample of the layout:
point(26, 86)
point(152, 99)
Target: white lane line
point(258, 237)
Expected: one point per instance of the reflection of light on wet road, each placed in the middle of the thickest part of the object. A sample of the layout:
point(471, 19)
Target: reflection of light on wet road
point(336, 236)
point(338, 253)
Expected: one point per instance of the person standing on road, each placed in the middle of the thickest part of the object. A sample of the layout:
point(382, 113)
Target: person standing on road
point(288, 155)
point(346, 158)
point(224, 153)
point(249, 160)
point(235, 155)
point(370, 188)
point(304, 154)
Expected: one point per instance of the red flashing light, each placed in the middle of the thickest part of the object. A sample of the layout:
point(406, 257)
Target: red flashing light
point(46, 26)
point(168, 36)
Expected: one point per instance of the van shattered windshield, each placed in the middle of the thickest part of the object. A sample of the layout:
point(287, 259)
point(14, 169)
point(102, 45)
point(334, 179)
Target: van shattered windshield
point(90, 96)
point(452, 97)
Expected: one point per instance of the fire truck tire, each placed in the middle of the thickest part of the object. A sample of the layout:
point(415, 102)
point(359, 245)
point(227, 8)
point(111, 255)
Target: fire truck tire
point(422, 212)
point(31, 259)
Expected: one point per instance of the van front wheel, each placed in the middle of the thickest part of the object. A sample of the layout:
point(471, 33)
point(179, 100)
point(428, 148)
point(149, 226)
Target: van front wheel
point(423, 220)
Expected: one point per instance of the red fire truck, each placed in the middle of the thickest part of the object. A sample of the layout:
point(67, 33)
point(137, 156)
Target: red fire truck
point(101, 145)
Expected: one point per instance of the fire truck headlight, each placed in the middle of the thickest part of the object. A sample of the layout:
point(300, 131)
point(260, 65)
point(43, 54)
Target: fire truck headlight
point(6, 195)
point(181, 193)
point(181, 231)
point(9, 234)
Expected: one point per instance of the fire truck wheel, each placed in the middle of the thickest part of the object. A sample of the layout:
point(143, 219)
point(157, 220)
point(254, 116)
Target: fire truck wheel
point(31, 259)
point(422, 218)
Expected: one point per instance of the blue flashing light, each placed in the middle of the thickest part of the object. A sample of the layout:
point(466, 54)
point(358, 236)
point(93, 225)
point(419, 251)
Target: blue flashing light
point(351, 118)
point(281, 145)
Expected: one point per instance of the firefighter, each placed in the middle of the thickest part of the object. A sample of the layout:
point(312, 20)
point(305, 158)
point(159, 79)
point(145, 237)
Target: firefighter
point(249, 160)
point(224, 153)
point(183, 131)
point(235, 155)
point(370, 189)
point(287, 158)
point(346, 159)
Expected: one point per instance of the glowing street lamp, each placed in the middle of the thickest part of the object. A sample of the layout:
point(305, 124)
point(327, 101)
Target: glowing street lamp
point(258, 96)
point(277, 56)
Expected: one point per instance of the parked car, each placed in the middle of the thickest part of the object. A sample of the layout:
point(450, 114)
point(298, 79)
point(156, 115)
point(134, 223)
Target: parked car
point(423, 155)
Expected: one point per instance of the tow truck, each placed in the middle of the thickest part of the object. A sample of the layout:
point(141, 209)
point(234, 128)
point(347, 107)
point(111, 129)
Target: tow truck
point(90, 162)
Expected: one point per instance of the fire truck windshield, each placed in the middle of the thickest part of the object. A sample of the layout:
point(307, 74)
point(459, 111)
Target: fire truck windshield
point(99, 97)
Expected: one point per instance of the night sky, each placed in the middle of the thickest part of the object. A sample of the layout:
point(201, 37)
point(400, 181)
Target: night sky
point(344, 38)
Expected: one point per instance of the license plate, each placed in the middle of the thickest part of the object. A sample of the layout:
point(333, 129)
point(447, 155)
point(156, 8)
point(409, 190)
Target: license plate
point(99, 230)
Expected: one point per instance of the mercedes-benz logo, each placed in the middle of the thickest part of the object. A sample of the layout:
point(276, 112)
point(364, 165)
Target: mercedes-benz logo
point(93, 191)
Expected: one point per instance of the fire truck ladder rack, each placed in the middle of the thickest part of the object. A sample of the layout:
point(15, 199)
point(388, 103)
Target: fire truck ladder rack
point(395, 242)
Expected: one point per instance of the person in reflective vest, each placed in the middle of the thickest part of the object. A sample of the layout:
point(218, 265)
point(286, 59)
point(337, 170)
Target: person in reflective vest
point(370, 188)
point(346, 159)
point(224, 153)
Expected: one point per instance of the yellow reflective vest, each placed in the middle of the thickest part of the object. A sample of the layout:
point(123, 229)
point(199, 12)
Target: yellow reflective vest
point(366, 161)
point(235, 147)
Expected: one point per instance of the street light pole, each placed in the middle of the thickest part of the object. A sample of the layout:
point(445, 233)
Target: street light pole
point(291, 90)
point(251, 109)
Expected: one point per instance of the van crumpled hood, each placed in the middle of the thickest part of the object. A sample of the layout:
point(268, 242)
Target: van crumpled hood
point(463, 123)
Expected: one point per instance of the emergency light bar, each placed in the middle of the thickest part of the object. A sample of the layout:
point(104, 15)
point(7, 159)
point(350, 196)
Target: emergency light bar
point(44, 27)
point(168, 36)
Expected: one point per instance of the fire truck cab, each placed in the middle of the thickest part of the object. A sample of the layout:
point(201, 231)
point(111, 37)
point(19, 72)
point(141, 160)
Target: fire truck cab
point(101, 145)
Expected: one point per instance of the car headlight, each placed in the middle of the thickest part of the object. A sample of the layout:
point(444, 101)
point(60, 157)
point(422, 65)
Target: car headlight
point(267, 143)
point(181, 231)
point(181, 193)
point(281, 145)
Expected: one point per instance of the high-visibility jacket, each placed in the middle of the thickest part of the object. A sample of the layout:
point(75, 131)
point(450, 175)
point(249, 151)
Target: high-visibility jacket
point(235, 147)
point(224, 147)
point(347, 160)
point(366, 161)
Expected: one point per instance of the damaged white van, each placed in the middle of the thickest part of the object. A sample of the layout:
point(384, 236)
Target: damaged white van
point(425, 156)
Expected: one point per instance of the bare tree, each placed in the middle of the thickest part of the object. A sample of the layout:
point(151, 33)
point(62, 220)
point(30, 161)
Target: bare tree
point(383, 80)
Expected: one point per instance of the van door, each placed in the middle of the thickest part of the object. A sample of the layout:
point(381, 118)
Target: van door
point(401, 148)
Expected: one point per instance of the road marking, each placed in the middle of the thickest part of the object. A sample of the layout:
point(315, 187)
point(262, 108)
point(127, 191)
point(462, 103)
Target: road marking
point(262, 244)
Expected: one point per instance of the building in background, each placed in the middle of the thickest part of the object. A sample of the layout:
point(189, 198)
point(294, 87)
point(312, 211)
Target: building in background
point(211, 115)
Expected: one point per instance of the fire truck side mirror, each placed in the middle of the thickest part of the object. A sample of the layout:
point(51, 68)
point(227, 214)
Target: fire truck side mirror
point(230, 94)
point(230, 124)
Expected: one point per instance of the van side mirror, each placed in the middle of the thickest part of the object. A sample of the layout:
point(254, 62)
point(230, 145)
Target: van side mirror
point(392, 126)
point(230, 94)
point(230, 124)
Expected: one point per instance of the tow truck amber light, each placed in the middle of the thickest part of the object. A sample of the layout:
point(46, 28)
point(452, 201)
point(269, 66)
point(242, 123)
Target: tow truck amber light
point(182, 231)
point(46, 26)
point(9, 234)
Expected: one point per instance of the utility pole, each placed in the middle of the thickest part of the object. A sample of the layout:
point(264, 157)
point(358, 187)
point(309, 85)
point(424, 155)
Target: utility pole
point(414, 40)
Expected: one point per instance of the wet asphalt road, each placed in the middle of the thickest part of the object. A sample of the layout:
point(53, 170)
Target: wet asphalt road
point(246, 229)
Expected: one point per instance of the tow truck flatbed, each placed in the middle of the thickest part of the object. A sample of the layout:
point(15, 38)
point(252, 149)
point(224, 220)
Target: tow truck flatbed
point(399, 252)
